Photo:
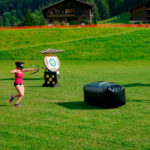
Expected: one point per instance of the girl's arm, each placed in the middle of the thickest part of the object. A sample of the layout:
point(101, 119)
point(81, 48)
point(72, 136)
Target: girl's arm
point(28, 70)
point(13, 71)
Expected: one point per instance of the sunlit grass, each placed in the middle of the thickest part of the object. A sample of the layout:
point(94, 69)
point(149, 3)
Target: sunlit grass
point(79, 44)
point(58, 118)
point(82, 43)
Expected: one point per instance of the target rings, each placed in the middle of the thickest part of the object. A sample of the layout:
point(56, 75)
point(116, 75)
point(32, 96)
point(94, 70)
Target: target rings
point(52, 63)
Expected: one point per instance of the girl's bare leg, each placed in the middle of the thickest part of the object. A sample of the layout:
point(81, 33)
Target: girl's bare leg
point(20, 90)
point(17, 95)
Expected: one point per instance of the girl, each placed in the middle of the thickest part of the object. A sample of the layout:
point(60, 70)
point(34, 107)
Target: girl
point(19, 82)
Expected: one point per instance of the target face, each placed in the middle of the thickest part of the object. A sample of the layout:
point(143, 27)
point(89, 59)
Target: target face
point(52, 63)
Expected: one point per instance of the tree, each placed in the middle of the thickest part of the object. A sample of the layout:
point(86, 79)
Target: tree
point(96, 10)
point(29, 19)
point(105, 11)
point(1, 20)
point(96, 16)
point(39, 18)
point(7, 19)
point(33, 19)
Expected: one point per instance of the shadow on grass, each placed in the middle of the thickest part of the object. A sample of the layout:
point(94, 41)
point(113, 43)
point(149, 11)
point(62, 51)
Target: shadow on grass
point(136, 84)
point(78, 105)
point(38, 86)
point(138, 101)
point(23, 79)
point(4, 105)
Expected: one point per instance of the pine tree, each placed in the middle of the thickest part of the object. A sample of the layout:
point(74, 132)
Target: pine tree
point(29, 19)
point(105, 11)
point(7, 19)
point(1, 20)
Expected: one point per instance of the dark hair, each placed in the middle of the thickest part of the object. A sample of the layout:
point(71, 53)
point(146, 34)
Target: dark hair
point(19, 65)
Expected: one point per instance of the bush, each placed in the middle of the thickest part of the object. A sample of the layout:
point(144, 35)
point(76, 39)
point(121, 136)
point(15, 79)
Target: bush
point(87, 21)
point(140, 22)
point(74, 23)
point(130, 22)
point(63, 23)
point(95, 22)
point(55, 23)
point(84, 21)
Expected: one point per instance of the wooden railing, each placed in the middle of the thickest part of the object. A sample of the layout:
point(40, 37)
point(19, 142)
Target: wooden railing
point(62, 15)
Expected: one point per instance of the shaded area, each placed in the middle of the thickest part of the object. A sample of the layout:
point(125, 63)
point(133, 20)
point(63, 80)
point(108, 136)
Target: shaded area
point(136, 84)
point(4, 105)
point(34, 86)
point(1, 79)
point(78, 105)
point(138, 101)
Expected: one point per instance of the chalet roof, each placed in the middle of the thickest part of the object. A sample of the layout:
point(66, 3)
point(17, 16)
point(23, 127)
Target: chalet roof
point(85, 3)
point(51, 51)
point(139, 5)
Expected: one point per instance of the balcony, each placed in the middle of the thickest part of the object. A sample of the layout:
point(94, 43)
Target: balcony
point(62, 15)
point(65, 13)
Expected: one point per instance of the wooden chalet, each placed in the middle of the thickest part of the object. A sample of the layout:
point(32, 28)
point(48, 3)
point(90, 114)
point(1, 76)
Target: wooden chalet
point(140, 13)
point(68, 10)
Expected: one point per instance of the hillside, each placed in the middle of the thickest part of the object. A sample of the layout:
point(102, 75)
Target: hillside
point(14, 12)
point(78, 43)
point(123, 18)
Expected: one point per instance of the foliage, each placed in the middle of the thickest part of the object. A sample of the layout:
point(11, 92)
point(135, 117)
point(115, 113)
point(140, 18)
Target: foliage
point(121, 19)
point(73, 22)
point(63, 23)
point(87, 21)
point(32, 19)
point(140, 22)
point(56, 23)
point(105, 12)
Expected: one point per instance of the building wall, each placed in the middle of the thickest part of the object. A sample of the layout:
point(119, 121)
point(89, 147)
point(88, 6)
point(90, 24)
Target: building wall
point(140, 13)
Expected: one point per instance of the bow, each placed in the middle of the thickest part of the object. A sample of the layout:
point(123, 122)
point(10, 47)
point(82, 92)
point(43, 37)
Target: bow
point(38, 67)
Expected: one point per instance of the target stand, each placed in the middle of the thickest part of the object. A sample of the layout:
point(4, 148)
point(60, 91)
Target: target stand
point(52, 65)
point(50, 79)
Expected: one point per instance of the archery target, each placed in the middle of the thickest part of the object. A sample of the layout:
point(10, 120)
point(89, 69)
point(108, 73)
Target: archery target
point(52, 63)
point(51, 82)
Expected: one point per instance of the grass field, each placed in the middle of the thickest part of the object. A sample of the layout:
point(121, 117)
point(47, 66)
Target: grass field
point(101, 43)
point(57, 118)
point(123, 18)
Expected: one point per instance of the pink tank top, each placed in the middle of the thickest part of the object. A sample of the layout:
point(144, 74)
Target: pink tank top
point(19, 78)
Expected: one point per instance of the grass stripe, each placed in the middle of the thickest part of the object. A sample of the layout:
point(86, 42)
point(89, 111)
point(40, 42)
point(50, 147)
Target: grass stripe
point(74, 40)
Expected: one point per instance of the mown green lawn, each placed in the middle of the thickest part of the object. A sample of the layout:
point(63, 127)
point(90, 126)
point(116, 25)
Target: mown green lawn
point(57, 118)
point(79, 44)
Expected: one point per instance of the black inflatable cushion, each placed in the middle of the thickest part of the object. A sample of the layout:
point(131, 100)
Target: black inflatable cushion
point(104, 94)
